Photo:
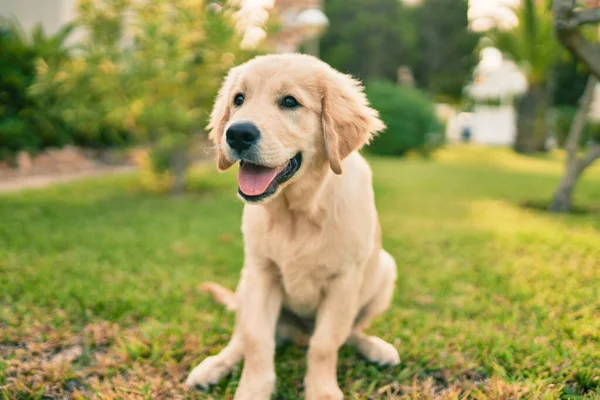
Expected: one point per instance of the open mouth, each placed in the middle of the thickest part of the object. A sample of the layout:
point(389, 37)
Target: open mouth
point(257, 182)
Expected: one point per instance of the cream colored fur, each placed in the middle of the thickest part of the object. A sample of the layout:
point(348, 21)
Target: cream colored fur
point(314, 247)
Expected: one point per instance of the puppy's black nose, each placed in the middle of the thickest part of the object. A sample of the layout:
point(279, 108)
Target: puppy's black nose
point(242, 135)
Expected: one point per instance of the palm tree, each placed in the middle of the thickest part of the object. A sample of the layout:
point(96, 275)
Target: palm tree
point(533, 46)
point(26, 122)
point(49, 47)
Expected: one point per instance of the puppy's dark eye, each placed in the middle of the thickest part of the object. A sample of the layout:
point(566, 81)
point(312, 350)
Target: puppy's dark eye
point(289, 102)
point(238, 100)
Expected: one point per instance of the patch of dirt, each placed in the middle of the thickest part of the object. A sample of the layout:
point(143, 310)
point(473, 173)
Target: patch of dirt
point(74, 386)
point(70, 163)
point(102, 358)
point(15, 184)
point(492, 388)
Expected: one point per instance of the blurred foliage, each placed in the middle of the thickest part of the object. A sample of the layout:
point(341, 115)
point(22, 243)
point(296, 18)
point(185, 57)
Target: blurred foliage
point(25, 123)
point(563, 121)
point(410, 118)
point(152, 69)
point(373, 38)
point(531, 43)
point(368, 38)
point(569, 80)
point(153, 179)
point(446, 47)
point(555, 78)
point(533, 46)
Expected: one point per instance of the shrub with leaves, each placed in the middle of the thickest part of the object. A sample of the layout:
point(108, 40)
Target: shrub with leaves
point(151, 68)
point(25, 123)
point(410, 118)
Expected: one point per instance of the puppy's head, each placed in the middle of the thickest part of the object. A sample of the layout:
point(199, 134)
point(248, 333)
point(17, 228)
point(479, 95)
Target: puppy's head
point(280, 115)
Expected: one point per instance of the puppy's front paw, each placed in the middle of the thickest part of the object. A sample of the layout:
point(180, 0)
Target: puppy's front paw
point(329, 392)
point(255, 387)
point(209, 372)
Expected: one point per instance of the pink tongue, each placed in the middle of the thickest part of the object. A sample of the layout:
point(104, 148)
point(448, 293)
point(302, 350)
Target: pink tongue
point(254, 180)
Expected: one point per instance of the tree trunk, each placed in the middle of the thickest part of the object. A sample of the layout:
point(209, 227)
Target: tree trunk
point(550, 110)
point(180, 162)
point(567, 22)
point(531, 121)
point(563, 197)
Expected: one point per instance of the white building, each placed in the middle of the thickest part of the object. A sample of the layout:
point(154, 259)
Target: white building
point(496, 82)
point(52, 14)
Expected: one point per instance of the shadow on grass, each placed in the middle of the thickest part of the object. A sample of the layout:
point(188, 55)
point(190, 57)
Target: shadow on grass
point(578, 216)
point(544, 207)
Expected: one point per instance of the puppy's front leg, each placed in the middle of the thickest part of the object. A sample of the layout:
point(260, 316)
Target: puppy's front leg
point(259, 303)
point(335, 318)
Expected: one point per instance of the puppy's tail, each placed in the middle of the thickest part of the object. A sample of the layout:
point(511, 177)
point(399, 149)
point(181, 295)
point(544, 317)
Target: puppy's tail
point(220, 294)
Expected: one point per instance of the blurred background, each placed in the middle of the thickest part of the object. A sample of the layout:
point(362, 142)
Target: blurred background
point(111, 209)
point(99, 78)
point(101, 75)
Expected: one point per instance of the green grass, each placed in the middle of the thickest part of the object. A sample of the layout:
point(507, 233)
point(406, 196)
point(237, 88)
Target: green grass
point(494, 300)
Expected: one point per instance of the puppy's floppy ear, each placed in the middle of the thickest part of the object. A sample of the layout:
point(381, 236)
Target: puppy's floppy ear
point(219, 116)
point(348, 121)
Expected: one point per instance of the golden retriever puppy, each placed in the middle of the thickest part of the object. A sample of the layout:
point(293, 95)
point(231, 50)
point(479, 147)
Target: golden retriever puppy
point(314, 269)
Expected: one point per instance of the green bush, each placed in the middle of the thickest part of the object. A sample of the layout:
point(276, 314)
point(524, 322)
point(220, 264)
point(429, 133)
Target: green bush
point(593, 132)
point(410, 118)
point(31, 121)
point(25, 123)
point(160, 86)
point(16, 74)
point(562, 126)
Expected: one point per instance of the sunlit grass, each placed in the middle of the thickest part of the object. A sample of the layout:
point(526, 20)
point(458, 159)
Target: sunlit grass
point(493, 300)
point(550, 163)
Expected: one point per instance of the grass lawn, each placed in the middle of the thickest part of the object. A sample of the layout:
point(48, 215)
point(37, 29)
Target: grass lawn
point(99, 285)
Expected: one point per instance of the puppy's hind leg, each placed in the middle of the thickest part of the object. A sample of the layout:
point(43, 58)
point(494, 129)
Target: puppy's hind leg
point(374, 349)
point(214, 368)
